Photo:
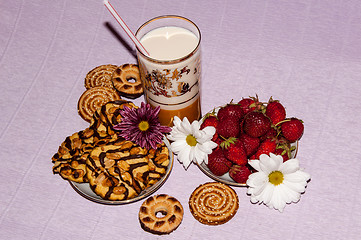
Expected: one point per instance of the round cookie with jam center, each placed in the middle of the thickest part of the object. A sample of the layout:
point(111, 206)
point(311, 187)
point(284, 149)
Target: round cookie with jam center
point(161, 214)
point(126, 80)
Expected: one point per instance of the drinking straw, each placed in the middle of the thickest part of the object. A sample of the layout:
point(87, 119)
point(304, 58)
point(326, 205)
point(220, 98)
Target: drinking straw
point(125, 27)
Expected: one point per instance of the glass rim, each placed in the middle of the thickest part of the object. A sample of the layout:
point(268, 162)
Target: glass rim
point(173, 60)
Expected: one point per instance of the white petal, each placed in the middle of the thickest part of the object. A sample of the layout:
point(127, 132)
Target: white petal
point(298, 176)
point(290, 166)
point(266, 164)
point(199, 156)
point(195, 126)
point(210, 130)
point(191, 154)
point(186, 126)
point(275, 161)
point(255, 164)
point(277, 158)
point(277, 201)
point(295, 186)
point(294, 196)
point(257, 179)
point(183, 157)
point(207, 146)
point(178, 146)
point(174, 136)
point(267, 193)
point(254, 200)
point(176, 122)
point(285, 193)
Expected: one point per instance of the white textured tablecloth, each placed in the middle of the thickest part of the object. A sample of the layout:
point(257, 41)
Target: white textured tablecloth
point(307, 54)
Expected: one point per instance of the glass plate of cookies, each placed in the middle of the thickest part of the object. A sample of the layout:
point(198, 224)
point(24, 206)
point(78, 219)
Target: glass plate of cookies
point(88, 190)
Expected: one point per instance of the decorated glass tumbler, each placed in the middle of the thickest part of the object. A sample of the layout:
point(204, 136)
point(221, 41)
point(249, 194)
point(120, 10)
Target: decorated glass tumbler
point(171, 72)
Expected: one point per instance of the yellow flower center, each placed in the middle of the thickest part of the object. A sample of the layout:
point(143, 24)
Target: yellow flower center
point(191, 140)
point(143, 126)
point(275, 177)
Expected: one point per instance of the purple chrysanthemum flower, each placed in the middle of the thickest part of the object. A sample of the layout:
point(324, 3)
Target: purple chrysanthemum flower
point(142, 126)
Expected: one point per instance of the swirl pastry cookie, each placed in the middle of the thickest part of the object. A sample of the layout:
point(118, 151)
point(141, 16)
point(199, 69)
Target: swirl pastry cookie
point(126, 80)
point(213, 203)
point(161, 214)
point(120, 169)
point(93, 99)
point(100, 76)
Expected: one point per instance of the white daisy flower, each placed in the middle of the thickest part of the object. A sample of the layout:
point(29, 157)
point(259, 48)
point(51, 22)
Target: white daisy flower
point(190, 143)
point(276, 182)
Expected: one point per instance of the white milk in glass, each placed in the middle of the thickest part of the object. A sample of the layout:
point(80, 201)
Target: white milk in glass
point(169, 43)
point(171, 72)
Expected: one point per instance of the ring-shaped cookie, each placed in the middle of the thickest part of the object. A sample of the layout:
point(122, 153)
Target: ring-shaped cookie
point(126, 80)
point(160, 214)
point(213, 203)
point(93, 99)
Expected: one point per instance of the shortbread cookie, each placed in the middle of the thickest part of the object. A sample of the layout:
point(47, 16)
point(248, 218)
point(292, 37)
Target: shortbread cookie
point(170, 210)
point(213, 203)
point(120, 169)
point(100, 76)
point(93, 99)
point(126, 80)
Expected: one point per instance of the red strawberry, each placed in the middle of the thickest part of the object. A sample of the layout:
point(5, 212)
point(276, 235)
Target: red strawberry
point(228, 127)
point(239, 173)
point(234, 151)
point(230, 110)
point(256, 124)
point(210, 120)
point(275, 111)
point(218, 164)
point(250, 104)
point(283, 153)
point(272, 133)
point(292, 129)
point(267, 146)
point(250, 144)
point(247, 105)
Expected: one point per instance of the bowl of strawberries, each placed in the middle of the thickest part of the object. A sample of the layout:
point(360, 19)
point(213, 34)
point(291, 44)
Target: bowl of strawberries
point(244, 131)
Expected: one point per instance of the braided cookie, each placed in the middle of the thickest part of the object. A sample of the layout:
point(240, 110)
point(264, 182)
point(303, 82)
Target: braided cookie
point(120, 169)
point(69, 161)
point(126, 80)
point(168, 207)
point(93, 99)
point(100, 76)
point(109, 115)
point(213, 203)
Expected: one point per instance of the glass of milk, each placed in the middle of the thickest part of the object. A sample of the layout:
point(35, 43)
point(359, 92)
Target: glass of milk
point(171, 72)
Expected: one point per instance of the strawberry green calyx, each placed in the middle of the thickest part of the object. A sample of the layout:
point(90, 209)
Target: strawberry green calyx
point(227, 142)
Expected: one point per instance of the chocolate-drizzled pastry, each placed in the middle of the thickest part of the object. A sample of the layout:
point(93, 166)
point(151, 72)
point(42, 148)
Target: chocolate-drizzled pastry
point(69, 160)
point(121, 169)
point(108, 116)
